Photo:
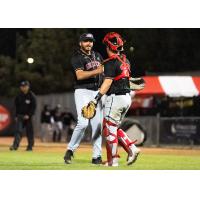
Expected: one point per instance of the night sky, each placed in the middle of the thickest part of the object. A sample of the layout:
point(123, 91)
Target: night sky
point(187, 47)
point(8, 40)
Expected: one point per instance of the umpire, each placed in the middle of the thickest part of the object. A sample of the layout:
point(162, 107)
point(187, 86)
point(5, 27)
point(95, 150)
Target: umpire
point(25, 104)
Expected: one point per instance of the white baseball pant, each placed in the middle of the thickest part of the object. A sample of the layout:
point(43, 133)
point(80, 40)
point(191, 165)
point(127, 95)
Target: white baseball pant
point(82, 98)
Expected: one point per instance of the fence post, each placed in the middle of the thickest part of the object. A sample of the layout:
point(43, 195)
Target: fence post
point(158, 130)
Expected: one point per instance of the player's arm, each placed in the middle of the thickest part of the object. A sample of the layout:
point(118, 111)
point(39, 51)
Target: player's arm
point(105, 85)
point(103, 89)
point(110, 73)
point(81, 74)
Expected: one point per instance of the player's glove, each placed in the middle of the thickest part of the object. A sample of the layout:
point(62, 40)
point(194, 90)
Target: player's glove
point(89, 111)
point(137, 83)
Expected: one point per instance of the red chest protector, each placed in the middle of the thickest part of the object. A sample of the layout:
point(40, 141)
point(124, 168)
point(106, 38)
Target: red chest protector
point(125, 67)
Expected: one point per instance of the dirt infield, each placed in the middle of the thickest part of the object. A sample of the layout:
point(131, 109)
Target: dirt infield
point(5, 142)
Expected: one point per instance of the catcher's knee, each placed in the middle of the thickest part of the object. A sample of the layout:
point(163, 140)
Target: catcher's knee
point(110, 139)
point(110, 131)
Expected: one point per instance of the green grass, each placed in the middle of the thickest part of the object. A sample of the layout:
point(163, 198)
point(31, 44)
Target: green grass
point(21, 160)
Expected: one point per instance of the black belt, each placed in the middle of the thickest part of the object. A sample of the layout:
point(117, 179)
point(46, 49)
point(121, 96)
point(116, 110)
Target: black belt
point(120, 93)
point(88, 88)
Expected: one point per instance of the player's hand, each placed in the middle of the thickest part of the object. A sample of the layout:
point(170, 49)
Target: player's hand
point(100, 69)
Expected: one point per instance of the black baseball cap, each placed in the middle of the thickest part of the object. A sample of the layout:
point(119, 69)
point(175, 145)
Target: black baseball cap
point(86, 36)
point(24, 83)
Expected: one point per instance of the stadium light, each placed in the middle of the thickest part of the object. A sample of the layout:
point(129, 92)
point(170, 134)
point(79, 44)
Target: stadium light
point(30, 60)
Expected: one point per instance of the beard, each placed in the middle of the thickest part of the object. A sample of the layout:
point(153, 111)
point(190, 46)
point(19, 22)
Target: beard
point(86, 48)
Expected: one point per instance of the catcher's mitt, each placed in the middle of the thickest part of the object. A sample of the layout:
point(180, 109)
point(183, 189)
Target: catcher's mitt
point(89, 111)
point(137, 83)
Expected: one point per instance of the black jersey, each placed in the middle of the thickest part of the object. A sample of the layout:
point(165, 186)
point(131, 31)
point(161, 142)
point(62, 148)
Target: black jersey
point(25, 104)
point(46, 116)
point(86, 62)
point(113, 69)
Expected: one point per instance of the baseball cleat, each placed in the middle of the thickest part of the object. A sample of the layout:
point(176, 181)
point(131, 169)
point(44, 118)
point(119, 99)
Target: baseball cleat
point(114, 163)
point(97, 161)
point(29, 149)
point(133, 158)
point(68, 156)
point(13, 148)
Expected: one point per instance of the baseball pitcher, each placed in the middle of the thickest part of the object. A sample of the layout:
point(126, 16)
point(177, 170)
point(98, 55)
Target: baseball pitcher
point(88, 69)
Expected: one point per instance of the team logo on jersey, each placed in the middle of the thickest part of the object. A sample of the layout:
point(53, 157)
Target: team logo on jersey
point(5, 118)
point(27, 101)
point(125, 67)
point(92, 65)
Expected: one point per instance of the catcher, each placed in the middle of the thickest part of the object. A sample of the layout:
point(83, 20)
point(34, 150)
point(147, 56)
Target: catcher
point(117, 86)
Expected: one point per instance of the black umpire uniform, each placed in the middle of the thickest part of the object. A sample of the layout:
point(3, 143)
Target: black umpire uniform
point(25, 104)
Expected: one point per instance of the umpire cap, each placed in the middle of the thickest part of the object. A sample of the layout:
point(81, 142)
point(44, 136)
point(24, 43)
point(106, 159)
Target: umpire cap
point(86, 36)
point(24, 83)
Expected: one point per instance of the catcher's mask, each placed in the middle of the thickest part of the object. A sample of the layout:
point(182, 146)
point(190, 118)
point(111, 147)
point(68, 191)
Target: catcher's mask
point(114, 41)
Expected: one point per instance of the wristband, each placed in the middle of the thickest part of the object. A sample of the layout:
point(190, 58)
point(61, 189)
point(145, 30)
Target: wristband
point(98, 97)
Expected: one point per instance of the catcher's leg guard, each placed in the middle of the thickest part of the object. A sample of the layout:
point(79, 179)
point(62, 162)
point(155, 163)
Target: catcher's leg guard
point(110, 134)
point(124, 141)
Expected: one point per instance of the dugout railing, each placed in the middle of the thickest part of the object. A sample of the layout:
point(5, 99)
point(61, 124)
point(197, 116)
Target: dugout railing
point(170, 130)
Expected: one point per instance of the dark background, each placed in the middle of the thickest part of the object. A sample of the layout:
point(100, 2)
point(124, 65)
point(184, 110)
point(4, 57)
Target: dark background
point(156, 52)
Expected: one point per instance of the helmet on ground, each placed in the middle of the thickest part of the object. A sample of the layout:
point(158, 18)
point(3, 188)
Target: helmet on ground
point(114, 41)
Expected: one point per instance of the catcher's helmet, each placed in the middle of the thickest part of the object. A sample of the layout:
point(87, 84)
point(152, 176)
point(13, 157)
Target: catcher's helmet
point(114, 41)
